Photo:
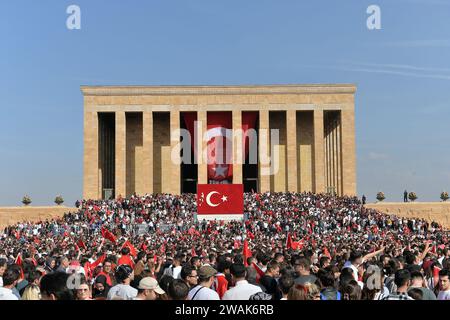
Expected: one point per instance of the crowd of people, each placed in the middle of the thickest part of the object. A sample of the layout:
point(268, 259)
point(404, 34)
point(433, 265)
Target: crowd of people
point(289, 246)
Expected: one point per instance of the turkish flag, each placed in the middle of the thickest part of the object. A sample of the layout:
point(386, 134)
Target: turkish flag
point(326, 253)
point(133, 250)
point(219, 136)
point(289, 241)
point(81, 244)
point(108, 235)
point(19, 261)
point(219, 146)
point(100, 259)
point(259, 272)
point(297, 245)
point(433, 249)
point(246, 252)
point(220, 199)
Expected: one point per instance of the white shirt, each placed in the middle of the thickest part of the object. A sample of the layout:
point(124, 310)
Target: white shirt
point(6, 294)
point(203, 293)
point(123, 291)
point(241, 291)
point(176, 272)
point(444, 295)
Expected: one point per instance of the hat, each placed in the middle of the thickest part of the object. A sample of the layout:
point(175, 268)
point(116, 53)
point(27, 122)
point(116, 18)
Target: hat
point(206, 271)
point(151, 284)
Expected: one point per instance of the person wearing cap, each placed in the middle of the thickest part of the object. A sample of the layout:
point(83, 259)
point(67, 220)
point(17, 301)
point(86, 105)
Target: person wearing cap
point(203, 291)
point(242, 290)
point(123, 290)
point(147, 289)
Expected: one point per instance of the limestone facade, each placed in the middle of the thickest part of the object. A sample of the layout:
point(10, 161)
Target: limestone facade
point(316, 147)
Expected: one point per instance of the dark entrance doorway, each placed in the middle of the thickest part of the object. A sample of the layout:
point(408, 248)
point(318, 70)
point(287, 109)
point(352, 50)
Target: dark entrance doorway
point(189, 171)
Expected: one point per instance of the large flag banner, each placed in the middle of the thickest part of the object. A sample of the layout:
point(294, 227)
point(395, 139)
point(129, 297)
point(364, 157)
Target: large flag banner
point(220, 140)
point(220, 199)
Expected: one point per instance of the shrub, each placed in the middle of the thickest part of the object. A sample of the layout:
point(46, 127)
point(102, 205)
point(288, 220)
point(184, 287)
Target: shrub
point(380, 196)
point(412, 196)
point(26, 200)
point(59, 200)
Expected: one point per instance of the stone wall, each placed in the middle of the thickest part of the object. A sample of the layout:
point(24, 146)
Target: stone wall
point(13, 215)
point(431, 211)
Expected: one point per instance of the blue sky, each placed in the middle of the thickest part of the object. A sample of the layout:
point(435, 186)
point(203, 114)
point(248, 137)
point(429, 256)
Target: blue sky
point(402, 72)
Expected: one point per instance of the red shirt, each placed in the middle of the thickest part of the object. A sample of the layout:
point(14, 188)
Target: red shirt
point(126, 260)
point(108, 278)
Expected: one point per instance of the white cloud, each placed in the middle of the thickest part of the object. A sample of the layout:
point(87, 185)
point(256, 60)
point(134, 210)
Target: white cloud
point(393, 69)
point(396, 66)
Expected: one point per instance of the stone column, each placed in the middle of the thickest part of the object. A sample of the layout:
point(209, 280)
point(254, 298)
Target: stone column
point(147, 150)
point(264, 150)
point(175, 173)
point(237, 146)
point(319, 152)
point(339, 155)
point(202, 170)
point(91, 156)
point(291, 145)
point(333, 153)
point(327, 153)
point(348, 147)
point(120, 156)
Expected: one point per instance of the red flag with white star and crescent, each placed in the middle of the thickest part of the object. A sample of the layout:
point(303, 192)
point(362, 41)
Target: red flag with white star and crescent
point(220, 199)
